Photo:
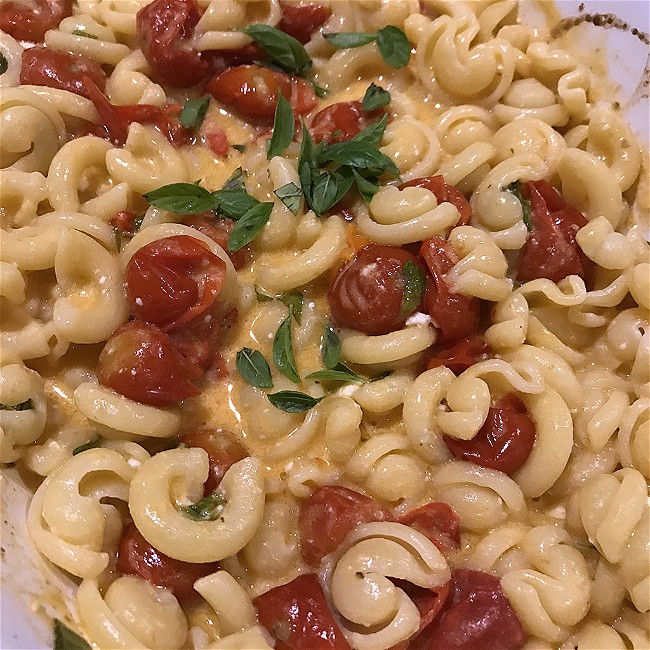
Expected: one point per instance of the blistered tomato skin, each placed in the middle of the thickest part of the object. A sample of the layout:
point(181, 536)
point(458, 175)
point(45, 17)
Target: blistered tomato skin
point(30, 21)
point(302, 20)
point(342, 121)
point(436, 521)
point(445, 193)
point(218, 229)
point(461, 355)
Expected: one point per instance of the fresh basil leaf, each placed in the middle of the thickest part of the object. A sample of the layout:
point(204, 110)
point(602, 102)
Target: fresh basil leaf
point(236, 179)
point(330, 348)
point(238, 147)
point(413, 287)
point(293, 300)
point(233, 204)
point(66, 639)
point(207, 509)
point(292, 401)
point(117, 233)
point(308, 163)
point(360, 155)
point(526, 207)
point(340, 372)
point(291, 195)
point(394, 46)
point(23, 406)
point(181, 198)
point(4, 64)
point(329, 188)
point(84, 33)
point(253, 368)
point(194, 111)
point(262, 297)
point(372, 134)
point(383, 375)
point(249, 226)
point(283, 128)
point(375, 98)
point(283, 50)
point(283, 357)
point(344, 40)
point(92, 444)
point(137, 223)
point(367, 187)
point(319, 91)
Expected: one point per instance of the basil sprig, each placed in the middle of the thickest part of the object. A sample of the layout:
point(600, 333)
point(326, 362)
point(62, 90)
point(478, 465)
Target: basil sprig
point(23, 406)
point(253, 368)
point(92, 444)
point(375, 98)
point(283, 50)
point(526, 208)
point(283, 356)
point(66, 639)
point(293, 401)
point(340, 372)
point(249, 226)
point(330, 348)
point(414, 284)
point(207, 509)
point(293, 300)
point(291, 195)
point(283, 128)
point(181, 198)
point(194, 111)
point(392, 42)
point(236, 180)
point(4, 64)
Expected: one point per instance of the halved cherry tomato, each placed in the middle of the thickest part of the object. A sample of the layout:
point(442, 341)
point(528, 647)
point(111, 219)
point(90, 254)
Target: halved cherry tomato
point(436, 521)
point(141, 363)
point(165, 28)
point(341, 121)
point(461, 355)
point(223, 452)
point(445, 193)
point(42, 66)
point(505, 440)
point(368, 292)
point(551, 250)
point(124, 221)
point(329, 514)
point(135, 556)
point(171, 281)
point(302, 20)
point(30, 21)
point(297, 615)
point(479, 617)
point(455, 315)
point(218, 229)
point(252, 91)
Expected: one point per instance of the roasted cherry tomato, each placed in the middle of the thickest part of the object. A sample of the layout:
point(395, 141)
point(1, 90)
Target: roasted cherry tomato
point(252, 91)
point(171, 281)
point(223, 452)
point(302, 20)
point(479, 617)
point(141, 363)
point(445, 193)
point(551, 250)
point(124, 221)
point(165, 28)
point(437, 521)
point(368, 292)
point(341, 121)
point(462, 354)
point(455, 315)
point(297, 615)
point(30, 21)
point(218, 229)
point(329, 514)
point(135, 556)
point(42, 66)
point(504, 442)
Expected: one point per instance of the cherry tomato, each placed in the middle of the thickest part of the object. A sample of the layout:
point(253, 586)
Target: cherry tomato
point(551, 250)
point(252, 91)
point(297, 615)
point(341, 121)
point(329, 514)
point(479, 617)
point(135, 556)
point(223, 452)
point(171, 281)
point(30, 21)
point(165, 28)
point(302, 20)
point(505, 440)
point(436, 521)
point(368, 292)
point(455, 315)
point(42, 66)
point(141, 363)
point(218, 229)
point(124, 221)
point(217, 140)
point(462, 354)
point(445, 193)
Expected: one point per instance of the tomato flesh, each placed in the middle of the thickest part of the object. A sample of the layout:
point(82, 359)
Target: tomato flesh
point(342, 121)
point(218, 229)
point(302, 20)
point(461, 355)
point(445, 193)
point(30, 21)
point(436, 521)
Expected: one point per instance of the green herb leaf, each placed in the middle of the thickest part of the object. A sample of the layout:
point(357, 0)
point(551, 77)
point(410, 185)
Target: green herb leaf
point(4, 64)
point(292, 401)
point(84, 33)
point(291, 195)
point(207, 509)
point(329, 188)
point(375, 98)
point(92, 444)
point(319, 91)
point(181, 198)
point(526, 208)
point(330, 348)
point(249, 226)
point(340, 372)
point(262, 297)
point(233, 204)
point(293, 300)
point(344, 40)
point(308, 163)
point(194, 111)
point(253, 368)
point(372, 134)
point(239, 147)
point(23, 406)
point(361, 155)
point(367, 187)
point(283, 128)
point(66, 639)
point(236, 180)
point(284, 51)
point(394, 46)
point(283, 357)
point(414, 286)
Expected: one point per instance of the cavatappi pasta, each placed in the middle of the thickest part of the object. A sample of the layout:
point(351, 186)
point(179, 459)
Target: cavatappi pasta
point(325, 324)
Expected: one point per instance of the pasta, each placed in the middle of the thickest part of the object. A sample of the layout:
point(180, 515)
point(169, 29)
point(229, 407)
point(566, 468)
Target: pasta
point(325, 324)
